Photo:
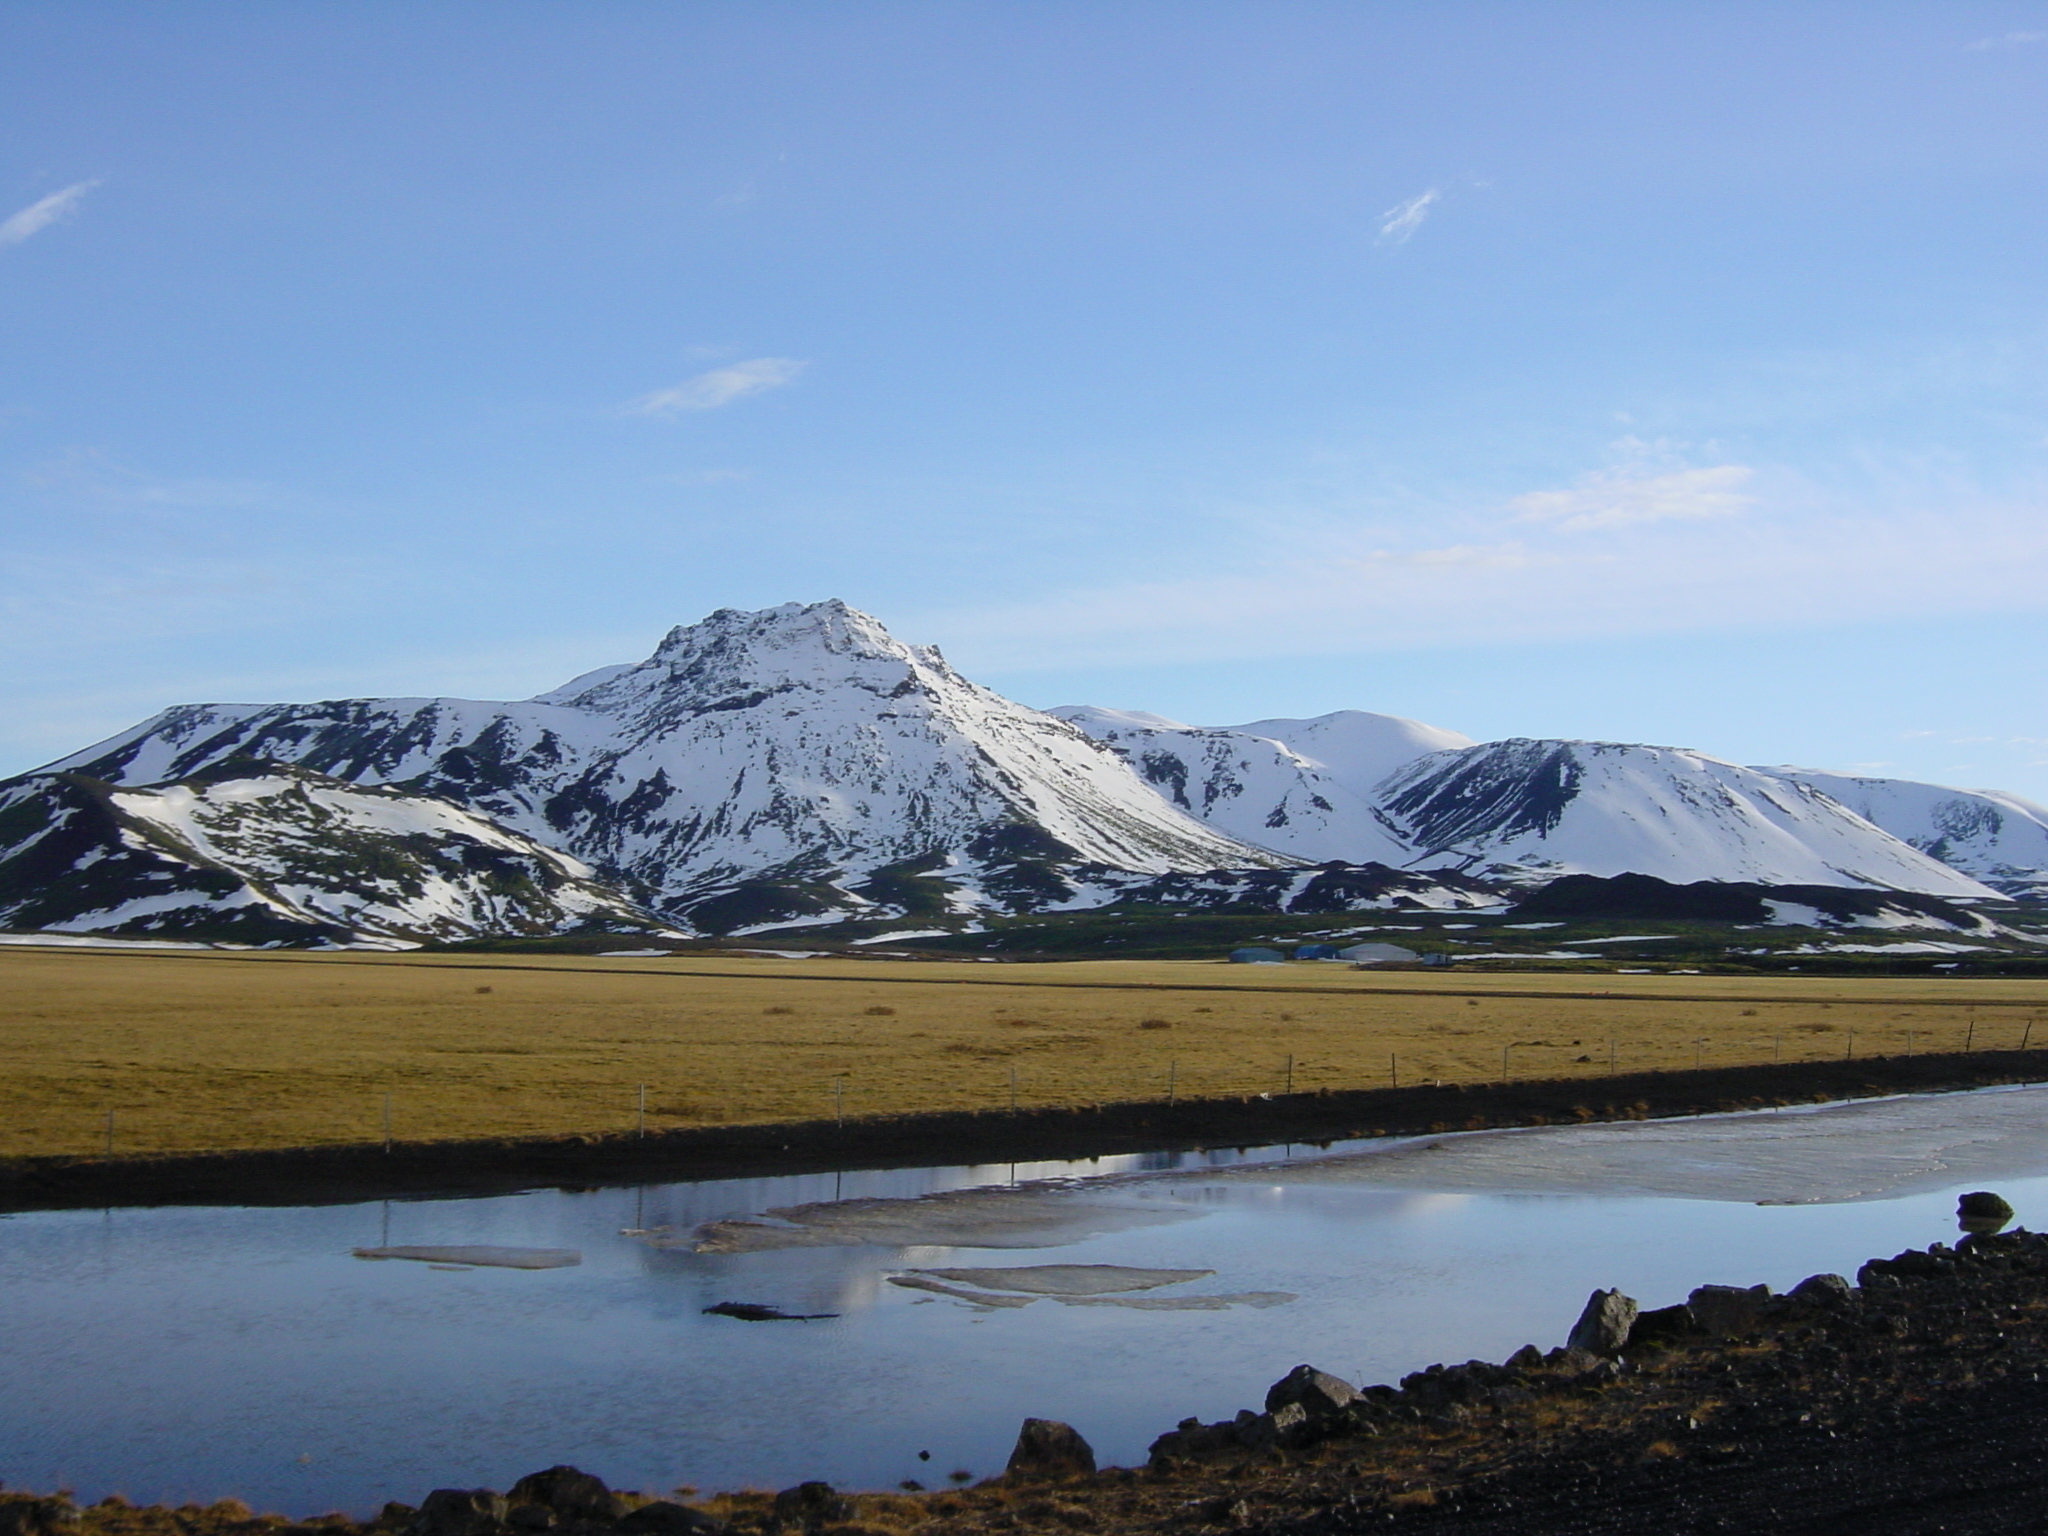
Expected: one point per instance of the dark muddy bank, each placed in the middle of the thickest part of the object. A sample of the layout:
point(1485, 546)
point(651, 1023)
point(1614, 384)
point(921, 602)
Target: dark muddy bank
point(332, 1175)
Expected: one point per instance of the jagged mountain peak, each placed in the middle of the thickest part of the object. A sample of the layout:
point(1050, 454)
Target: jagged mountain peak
point(798, 745)
point(734, 654)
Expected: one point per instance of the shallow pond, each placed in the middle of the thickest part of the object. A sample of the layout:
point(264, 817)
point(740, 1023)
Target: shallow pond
point(181, 1354)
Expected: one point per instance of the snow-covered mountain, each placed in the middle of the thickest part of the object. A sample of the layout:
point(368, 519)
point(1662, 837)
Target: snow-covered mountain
point(280, 855)
point(1525, 811)
point(799, 752)
point(2001, 839)
point(800, 764)
point(1301, 787)
point(1377, 788)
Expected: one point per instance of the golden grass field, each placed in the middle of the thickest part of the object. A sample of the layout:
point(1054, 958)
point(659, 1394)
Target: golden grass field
point(215, 1050)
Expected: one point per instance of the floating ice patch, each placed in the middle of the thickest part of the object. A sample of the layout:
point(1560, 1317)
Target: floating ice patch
point(914, 1282)
point(1081, 1285)
point(1183, 1303)
point(480, 1257)
point(1010, 1216)
point(1069, 1279)
point(1871, 1150)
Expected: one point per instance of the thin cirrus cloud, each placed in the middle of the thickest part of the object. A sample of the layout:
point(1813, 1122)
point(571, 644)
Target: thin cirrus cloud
point(1403, 219)
point(39, 216)
point(2007, 40)
point(1674, 577)
point(1616, 498)
point(720, 386)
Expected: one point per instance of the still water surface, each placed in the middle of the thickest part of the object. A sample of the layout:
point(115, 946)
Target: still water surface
point(175, 1354)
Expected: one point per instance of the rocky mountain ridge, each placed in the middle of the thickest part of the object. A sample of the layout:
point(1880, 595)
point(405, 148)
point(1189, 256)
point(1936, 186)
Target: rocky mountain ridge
point(267, 854)
point(801, 766)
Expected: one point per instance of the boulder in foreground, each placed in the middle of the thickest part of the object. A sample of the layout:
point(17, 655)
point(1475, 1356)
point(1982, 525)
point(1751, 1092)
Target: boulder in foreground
point(1048, 1448)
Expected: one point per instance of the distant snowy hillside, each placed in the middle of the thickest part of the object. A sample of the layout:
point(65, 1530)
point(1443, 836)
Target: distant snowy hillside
point(1526, 811)
point(801, 752)
point(1356, 748)
point(1999, 838)
point(1368, 788)
point(280, 855)
point(1301, 787)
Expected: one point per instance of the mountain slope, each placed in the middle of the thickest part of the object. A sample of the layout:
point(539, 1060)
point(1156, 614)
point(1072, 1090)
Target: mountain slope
point(1376, 788)
point(1525, 810)
point(2000, 839)
point(800, 751)
point(1301, 787)
point(264, 854)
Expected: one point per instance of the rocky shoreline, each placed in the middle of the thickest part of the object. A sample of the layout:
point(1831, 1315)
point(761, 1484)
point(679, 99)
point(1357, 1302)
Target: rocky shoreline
point(415, 1170)
point(1911, 1400)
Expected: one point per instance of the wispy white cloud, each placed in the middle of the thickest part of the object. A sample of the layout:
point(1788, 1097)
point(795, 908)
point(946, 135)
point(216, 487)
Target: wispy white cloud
point(721, 386)
point(2007, 40)
point(1403, 219)
point(1672, 577)
point(1647, 545)
point(37, 217)
point(1615, 498)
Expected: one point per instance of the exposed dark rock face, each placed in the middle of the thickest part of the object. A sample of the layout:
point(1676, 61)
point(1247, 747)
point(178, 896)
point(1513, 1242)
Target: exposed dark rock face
point(1632, 898)
point(1603, 1328)
point(462, 1512)
point(1047, 1448)
point(257, 853)
point(569, 1493)
point(1316, 1393)
point(1981, 1210)
point(1728, 1311)
point(808, 1506)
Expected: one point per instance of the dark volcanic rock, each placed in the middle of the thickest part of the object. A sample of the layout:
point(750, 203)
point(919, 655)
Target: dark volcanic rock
point(1663, 1325)
point(1981, 1211)
point(1048, 1448)
point(1727, 1310)
point(569, 1493)
point(1316, 1392)
point(1823, 1290)
point(810, 1505)
point(1603, 1328)
point(461, 1512)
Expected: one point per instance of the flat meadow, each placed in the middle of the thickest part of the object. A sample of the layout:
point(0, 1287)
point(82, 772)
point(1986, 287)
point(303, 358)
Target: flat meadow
point(221, 1050)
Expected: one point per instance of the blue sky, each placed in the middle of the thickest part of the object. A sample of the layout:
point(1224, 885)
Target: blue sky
point(1646, 372)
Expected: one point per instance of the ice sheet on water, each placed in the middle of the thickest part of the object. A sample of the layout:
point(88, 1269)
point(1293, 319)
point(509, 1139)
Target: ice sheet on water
point(1044, 1215)
point(482, 1257)
point(1068, 1279)
point(1869, 1150)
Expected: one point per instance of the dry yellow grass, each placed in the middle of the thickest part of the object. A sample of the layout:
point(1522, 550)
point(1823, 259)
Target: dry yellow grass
point(217, 1050)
